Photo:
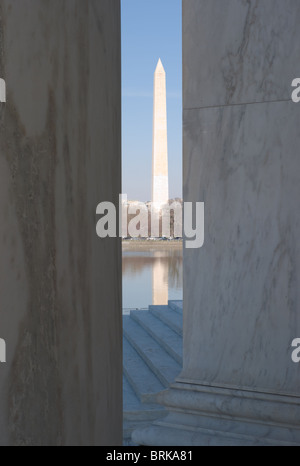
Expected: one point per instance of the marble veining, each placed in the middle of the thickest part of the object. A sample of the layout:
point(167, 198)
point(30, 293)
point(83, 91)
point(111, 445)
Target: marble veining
point(243, 285)
point(60, 287)
point(239, 385)
point(239, 51)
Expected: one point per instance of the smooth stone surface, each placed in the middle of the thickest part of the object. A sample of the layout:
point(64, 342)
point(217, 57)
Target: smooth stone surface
point(151, 351)
point(242, 288)
point(159, 361)
point(171, 432)
point(203, 415)
point(161, 333)
point(142, 379)
point(169, 317)
point(239, 51)
point(177, 306)
point(60, 287)
point(135, 410)
point(239, 385)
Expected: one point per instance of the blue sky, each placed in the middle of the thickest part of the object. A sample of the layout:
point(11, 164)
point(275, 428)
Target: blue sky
point(151, 29)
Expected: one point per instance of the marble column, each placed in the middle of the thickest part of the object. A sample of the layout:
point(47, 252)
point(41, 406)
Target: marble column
point(239, 385)
point(60, 285)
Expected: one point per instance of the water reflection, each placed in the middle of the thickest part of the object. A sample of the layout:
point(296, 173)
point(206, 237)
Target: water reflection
point(160, 280)
point(151, 276)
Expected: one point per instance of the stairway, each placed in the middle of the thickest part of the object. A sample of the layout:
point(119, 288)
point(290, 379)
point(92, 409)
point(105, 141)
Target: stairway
point(152, 359)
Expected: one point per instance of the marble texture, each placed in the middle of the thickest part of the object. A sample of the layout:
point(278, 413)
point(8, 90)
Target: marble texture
point(60, 286)
point(239, 385)
point(243, 285)
point(239, 51)
point(210, 416)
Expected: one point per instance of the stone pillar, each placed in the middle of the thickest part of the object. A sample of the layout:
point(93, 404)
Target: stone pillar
point(60, 285)
point(239, 385)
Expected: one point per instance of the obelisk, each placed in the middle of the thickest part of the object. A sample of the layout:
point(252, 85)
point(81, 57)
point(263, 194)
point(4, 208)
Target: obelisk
point(160, 178)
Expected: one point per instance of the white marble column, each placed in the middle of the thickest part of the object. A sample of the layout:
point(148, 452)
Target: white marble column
point(239, 385)
point(60, 285)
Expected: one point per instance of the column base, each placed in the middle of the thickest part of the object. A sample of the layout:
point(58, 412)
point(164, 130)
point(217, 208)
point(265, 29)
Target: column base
point(213, 416)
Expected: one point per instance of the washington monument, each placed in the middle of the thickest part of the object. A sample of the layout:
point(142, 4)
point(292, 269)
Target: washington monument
point(160, 178)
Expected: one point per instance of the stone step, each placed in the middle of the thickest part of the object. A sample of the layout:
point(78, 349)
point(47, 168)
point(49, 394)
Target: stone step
point(135, 410)
point(159, 361)
point(141, 378)
point(163, 334)
point(169, 317)
point(177, 306)
point(129, 427)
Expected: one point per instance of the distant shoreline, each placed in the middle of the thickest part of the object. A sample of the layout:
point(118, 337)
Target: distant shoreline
point(129, 245)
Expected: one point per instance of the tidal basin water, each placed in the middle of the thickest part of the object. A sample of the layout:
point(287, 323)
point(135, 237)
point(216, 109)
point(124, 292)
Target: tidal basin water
point(151, 275)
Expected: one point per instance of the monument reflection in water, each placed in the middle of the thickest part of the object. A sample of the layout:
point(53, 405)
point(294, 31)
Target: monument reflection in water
point(151, 277)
